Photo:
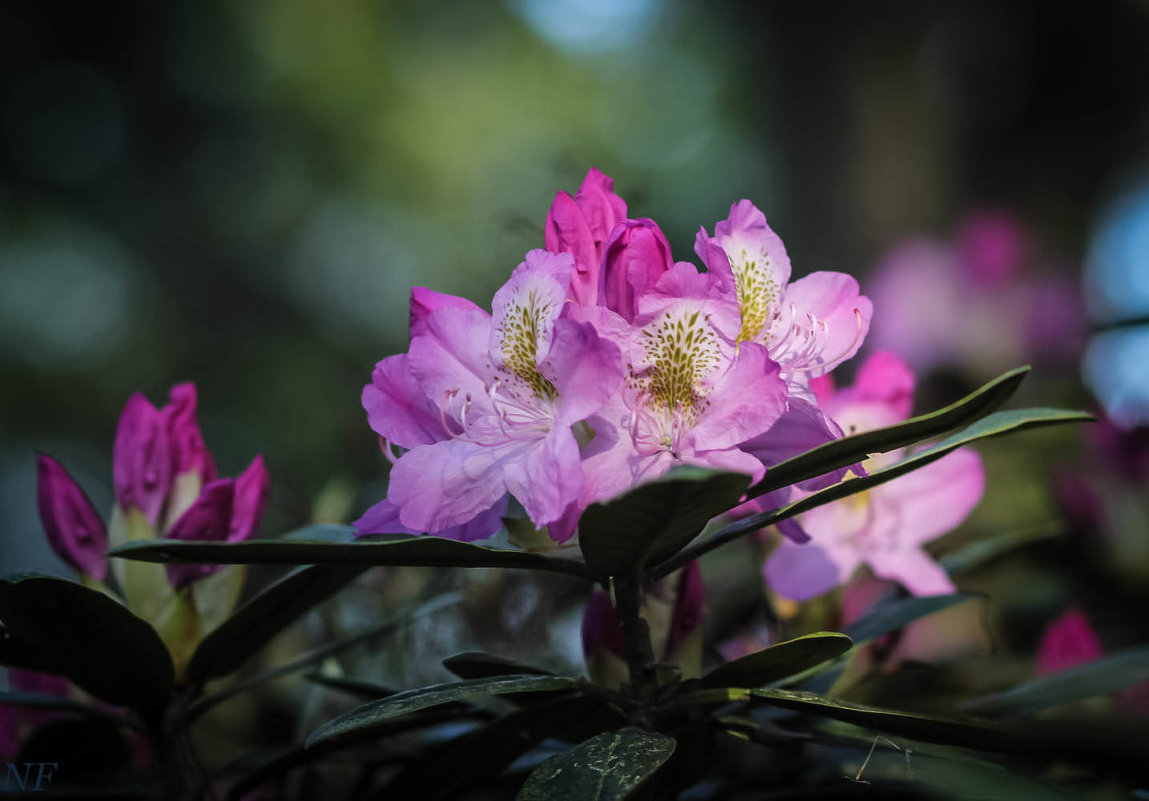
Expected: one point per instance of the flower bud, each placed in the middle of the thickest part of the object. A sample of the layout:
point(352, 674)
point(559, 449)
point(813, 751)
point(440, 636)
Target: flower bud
point(142, 458)
point(636, 254)
point(208, 520)
point(189, 453)
point(74, 528)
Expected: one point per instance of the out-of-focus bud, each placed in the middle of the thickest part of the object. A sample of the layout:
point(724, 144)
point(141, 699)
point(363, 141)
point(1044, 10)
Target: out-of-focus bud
point(74, 528)
point(192, 463)
point(1068, 642)
point(250, 502)
point(208, 519)
point(142, 458)
point(673, 608)
point(636, 254)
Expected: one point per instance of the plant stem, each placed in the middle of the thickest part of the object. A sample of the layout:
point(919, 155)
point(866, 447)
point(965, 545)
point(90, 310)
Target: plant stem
point(636, 634)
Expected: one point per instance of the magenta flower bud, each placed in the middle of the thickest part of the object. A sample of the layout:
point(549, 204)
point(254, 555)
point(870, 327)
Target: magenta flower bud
point(600, 627)
point(142, 458)
point(250, 501)
point(1068, 642)
point(688, 604)
point(189, 453)
point(207, 520)
point(634, 258)
point(581, 226)
point(73, 526)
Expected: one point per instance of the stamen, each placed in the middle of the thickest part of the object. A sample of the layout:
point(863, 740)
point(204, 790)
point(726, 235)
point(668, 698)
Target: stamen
point(826, 329)
point(448, 394)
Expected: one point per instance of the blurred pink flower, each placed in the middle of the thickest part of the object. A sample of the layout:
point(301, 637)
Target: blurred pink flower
point(884, 527)
point(1069, 641)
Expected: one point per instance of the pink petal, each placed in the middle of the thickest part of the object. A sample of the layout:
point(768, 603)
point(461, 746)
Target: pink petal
point(834, 299)
point(935, 499)
point(567, 231)
point(447, 484)
point(397, 409)
point(524, 311)
point(188, 448)
point(71, 523)
point(545, 477)
point(913, 568)
point(424, 301)
point(745, 401)
point(251, 491)
point(885, 377)
point(383, 518)
point(801, 572)
point(602, 208)
point(587, 370)
point(802, 427)
point(142, 458)
point(206, 520)
point(452, 353)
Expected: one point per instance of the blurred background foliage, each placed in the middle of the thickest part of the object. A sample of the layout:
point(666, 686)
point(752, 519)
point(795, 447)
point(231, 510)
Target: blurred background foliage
point(242, 194)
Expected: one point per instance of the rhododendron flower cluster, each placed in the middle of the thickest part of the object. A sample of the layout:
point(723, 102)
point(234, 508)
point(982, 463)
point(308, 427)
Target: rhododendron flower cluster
point(603, 364)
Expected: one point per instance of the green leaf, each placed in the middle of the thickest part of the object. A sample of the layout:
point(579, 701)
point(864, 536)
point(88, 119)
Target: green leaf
point(479, 665)
point(357, 687)
point(91, 638)
point(267, 614)
point(856, 448)
point(994, 425)
point(779, 661)
point(1101, 677)
point(401, 550)
point(892, 615)
point(360, 722)
point(608, 767)
point(977, 734)
point(654, 521)
point(18, 653)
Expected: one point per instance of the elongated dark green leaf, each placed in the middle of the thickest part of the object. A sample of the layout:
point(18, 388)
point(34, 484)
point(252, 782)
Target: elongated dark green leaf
point(1106, 675)
point(361, 720)
point(406, 551)
point(654, 521)
point(607, 767)
point(779, 661)
point(478, 665)
point(994, 425)
point(267, 614)
point(322, 532)
point(979, 734)
point(361, 688)
point(315, 657)
point(853, 449)
point(91, 638)
point(895, 614)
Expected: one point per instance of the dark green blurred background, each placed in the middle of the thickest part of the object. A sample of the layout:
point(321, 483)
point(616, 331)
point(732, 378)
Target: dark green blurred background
point(242, 194)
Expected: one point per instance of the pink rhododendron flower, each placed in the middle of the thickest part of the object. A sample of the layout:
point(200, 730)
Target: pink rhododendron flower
point(163, 471)
point(809, 326)
point(691, 394)
point(507, 387)
point(886, 526)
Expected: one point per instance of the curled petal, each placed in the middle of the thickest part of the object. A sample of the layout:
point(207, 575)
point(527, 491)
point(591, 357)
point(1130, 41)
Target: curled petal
point(832, 302)
point(397, 408)
point(142, 458)
point(567, 231)
point(74, 529)
point(207, 520)
point(189, 453)
point(601, 207)
point(251, 490)
point(636, 255)
point(424, 301)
